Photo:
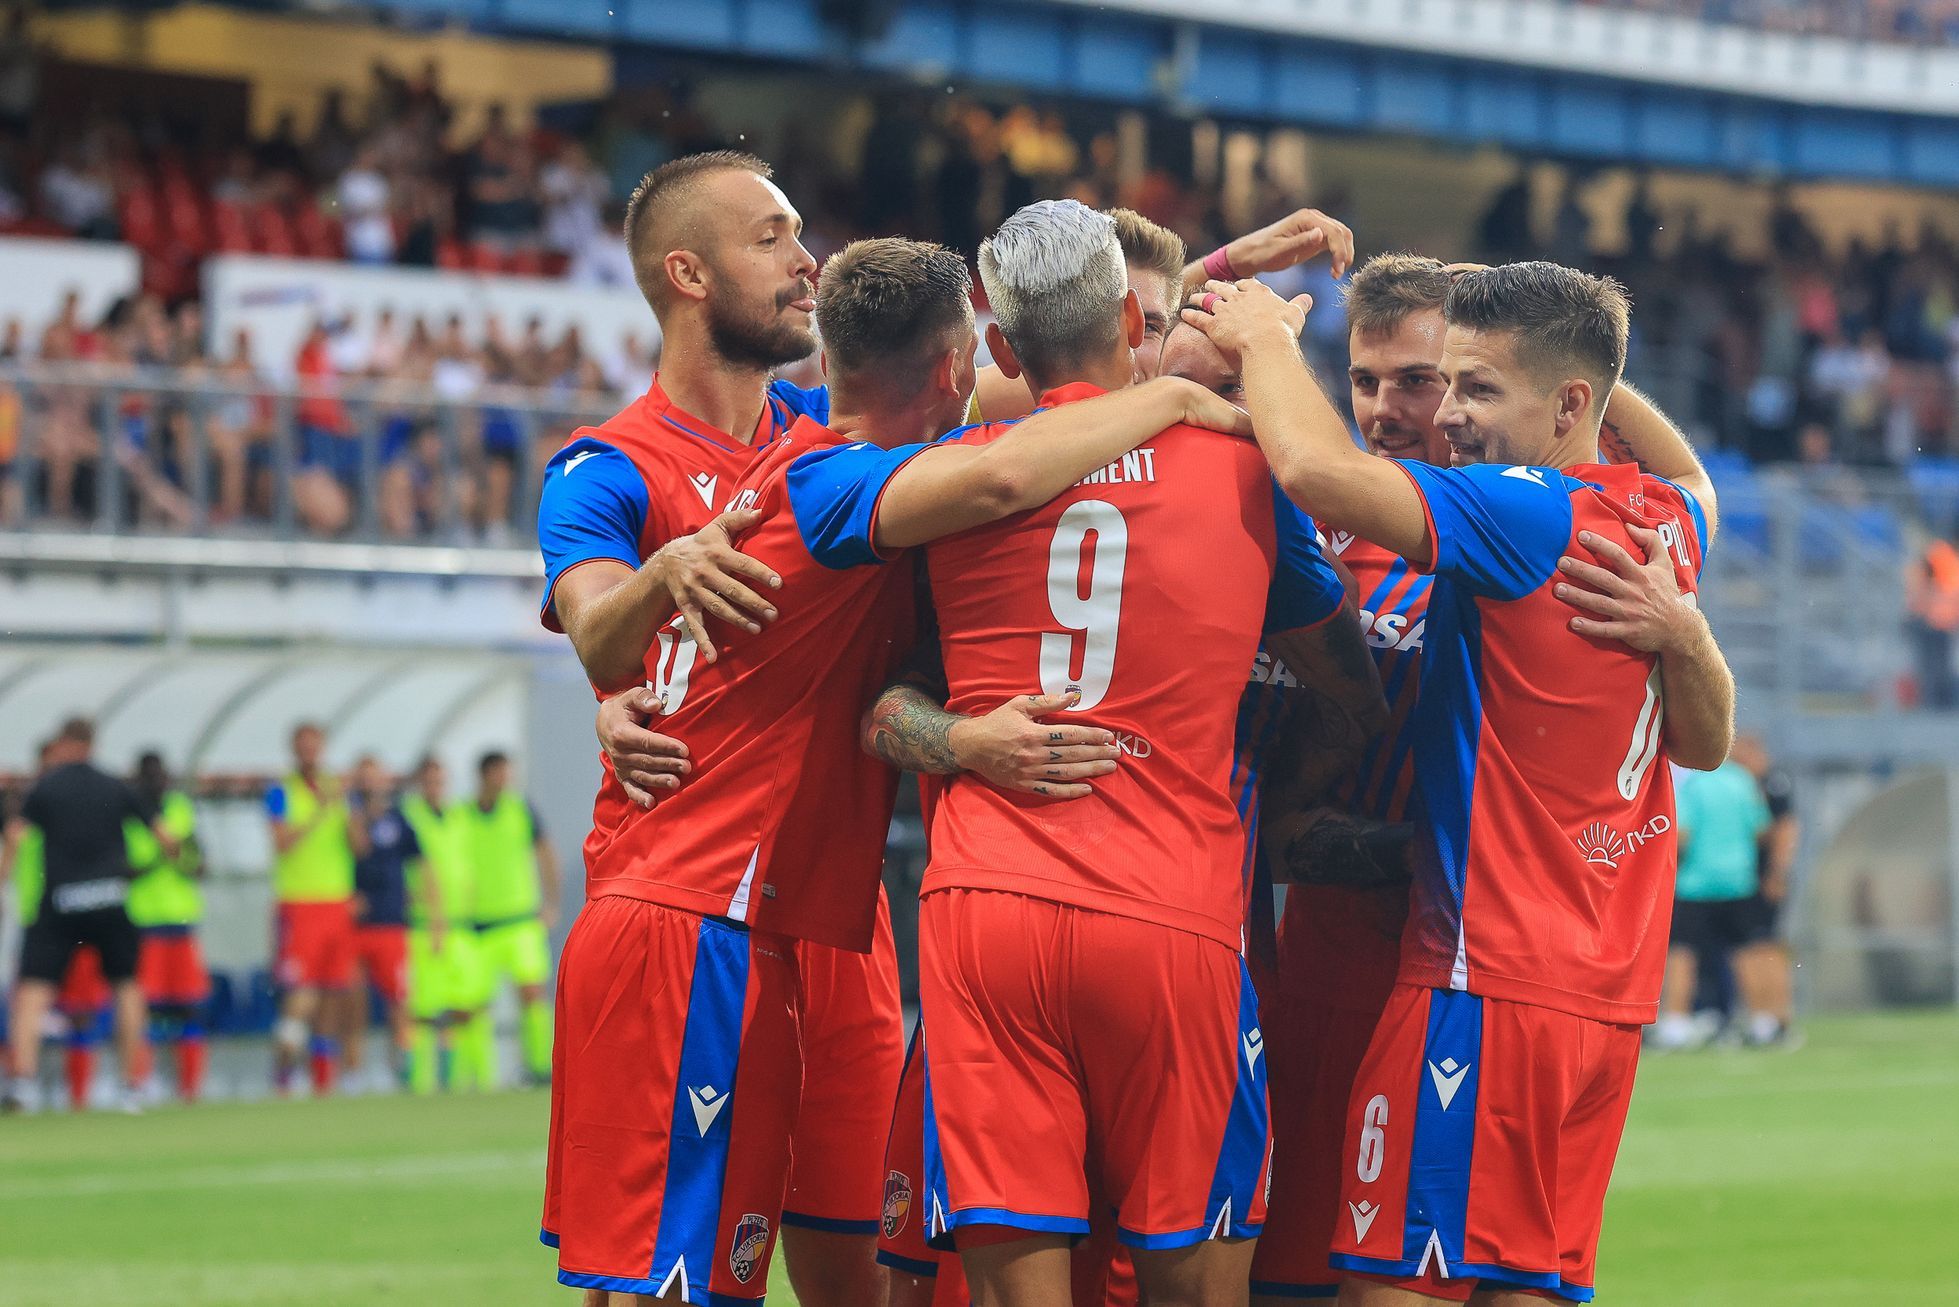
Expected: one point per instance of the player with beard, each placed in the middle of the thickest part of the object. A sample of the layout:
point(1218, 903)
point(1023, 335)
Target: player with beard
point(682, 970)
point(716, 251)
point(1488, 1108)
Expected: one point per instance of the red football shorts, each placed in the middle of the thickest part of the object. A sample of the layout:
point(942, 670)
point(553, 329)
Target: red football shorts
point(1320, 1011)
point(853, 1027)
point(1103, 1275)
point(382, 952)
point(170, 968)
point(1054, 1034)
point(1480, 1139)
point(84, 988)
point(316, 945)
point(674, 1083)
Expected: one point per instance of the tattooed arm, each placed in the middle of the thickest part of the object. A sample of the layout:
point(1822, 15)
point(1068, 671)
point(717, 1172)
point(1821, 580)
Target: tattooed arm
point(1636, 431)
point(1010, 747)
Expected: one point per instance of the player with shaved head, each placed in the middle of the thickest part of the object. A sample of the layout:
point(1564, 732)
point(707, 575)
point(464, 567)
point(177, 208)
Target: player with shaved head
point(716, 250)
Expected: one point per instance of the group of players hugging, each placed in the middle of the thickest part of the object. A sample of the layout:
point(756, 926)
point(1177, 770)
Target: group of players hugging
point(1469, 671)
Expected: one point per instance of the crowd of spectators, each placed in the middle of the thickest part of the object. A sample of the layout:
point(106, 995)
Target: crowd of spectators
point(413, 429)
point(1775, 344)
point(1917, 22)
point(379, 176)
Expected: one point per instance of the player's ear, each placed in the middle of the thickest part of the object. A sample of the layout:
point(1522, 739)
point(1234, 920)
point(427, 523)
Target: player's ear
point(686, 273)
point(945, 373)
point(1134, 326)
point(1003, 353)
point(1574, 403)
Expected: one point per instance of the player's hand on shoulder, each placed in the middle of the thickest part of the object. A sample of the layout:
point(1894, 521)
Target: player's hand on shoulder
point(1301, 235)
point(1636, 601)
point(1012, 748)
point(1240, 315)
point(1202, 408)
point(708, 577)
point(647, 763)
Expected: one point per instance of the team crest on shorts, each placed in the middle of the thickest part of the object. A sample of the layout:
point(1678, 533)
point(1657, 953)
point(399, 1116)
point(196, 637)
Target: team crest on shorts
point(897, 1203)
point(751, 1241)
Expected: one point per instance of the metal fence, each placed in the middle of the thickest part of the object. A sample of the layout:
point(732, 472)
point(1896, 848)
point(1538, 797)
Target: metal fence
point(168, 452)
point(1805, 586)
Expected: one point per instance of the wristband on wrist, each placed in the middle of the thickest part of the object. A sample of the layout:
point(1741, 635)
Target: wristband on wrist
point(1217, 266)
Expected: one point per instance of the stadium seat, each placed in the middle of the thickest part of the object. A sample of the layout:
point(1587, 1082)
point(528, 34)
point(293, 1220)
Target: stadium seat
point(221, 1009)
point(262, 1007)
point(183, 207)
point(275, 234)
point(231, 227)
point(1934, 480)
point(140, 216)
point(319, 235)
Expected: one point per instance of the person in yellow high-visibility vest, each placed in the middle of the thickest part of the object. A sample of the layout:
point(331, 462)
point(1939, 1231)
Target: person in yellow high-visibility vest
point(515, 903)
point(448, 986)
point(166, 905)
point(313, 885)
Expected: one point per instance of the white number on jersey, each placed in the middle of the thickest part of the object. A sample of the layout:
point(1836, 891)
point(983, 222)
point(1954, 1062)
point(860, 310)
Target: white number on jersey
point(1645, 747)
point(677, 651)
point(1092, 617)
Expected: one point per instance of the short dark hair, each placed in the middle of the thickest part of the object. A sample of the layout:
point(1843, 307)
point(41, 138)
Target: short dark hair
point(653, 227)
point(494, 758)
point(891, 300)
point(1387, 288)
point(1564, 320)
point(1150, 247)
point(77, 730)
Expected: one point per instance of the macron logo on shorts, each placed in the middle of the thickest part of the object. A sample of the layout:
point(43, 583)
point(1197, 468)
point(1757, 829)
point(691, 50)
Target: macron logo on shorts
point(1254, 1045)
point(707, 1105)
point(1363, 1213)
point(1448, 1079)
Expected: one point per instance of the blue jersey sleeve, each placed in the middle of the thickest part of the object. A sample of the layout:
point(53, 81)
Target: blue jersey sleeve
point(593, 505)
point(275, 803)
point(834, 495)
point(411, 844)
point(1498, 530)
point(1306, 590)
point(791, 402)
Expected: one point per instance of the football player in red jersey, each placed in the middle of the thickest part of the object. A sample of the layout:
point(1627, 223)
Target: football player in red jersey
point(1119, 914)
point(670, 1183)
point(716, 250)
point(1346, 858)
point(909, 727)
point(1488, 1108)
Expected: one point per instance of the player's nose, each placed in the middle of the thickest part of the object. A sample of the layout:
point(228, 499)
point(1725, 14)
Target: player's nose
point(804, 264)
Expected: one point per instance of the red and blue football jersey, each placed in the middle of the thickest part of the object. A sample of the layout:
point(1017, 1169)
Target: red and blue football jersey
point(1546, 854)
point(1145, 587)
point(654, 471)
point(780, 797)
point(1346, 941)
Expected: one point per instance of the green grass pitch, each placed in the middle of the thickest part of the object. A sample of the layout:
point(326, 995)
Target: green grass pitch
point(1826, 1176)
